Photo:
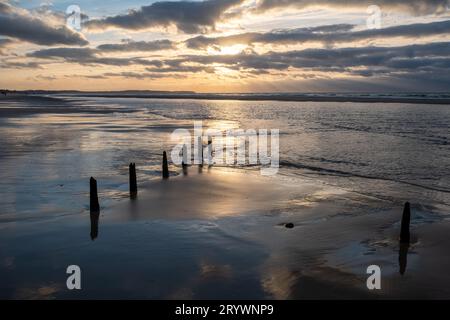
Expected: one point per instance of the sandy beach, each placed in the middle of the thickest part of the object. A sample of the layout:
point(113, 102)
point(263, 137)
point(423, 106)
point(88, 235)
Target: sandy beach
point(204, 153)
point(205, 234)
point(210, 233)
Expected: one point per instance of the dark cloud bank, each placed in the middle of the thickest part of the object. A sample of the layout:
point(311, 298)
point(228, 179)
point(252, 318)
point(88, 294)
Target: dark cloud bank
point(17, 24)
point(414, 60)
point(417, 7)
point(187, 16)
point(324, 34)
point(202, 16)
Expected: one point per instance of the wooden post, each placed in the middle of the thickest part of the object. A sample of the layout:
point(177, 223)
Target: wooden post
point(406, 218)
point(200, 150)
point(184, 161)
point(209, 152)
point(165, 166)
point(133, 182)
point(94, 206)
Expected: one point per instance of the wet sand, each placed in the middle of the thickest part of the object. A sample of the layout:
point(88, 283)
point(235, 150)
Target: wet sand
point(220, 233)
point(215, 232)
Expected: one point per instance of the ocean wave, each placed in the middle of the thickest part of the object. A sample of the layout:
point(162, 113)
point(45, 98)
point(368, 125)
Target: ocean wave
point(348, 174)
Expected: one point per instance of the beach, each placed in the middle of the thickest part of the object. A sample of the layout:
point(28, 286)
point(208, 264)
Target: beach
point(219, 232)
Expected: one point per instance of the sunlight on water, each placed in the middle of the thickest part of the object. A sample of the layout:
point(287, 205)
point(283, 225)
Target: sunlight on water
point(345, 168)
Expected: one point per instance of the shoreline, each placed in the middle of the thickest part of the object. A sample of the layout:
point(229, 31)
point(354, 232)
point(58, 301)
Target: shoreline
point(219, 232)
point(242, 97)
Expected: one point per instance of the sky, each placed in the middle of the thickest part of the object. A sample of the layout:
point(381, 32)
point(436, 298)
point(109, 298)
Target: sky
point(226, 45)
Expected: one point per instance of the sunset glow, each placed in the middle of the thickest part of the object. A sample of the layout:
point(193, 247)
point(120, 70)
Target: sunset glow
point(226, 45)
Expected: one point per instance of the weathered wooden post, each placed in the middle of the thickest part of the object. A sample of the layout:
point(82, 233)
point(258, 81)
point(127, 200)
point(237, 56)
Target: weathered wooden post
point(94, 206)
point(209, 155)
point(165, 166)
point(406, 219)
point(200, 150)
point(184, 161)
point(133, 182)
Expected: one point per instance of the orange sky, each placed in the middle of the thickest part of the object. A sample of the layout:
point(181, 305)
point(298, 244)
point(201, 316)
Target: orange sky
point(226, 46)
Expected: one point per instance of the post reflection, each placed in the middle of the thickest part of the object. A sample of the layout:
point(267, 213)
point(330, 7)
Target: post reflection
point(403, 257)
point(95, 216)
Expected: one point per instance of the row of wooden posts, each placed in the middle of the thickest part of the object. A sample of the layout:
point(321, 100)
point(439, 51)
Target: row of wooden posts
point(95, 207)
point(94, 204)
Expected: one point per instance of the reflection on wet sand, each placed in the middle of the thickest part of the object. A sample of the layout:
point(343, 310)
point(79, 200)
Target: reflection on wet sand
point(41, 292)
point(278, 282)
point(94, 224)
point(220, 234)
point(403, 257)
point(208, 194)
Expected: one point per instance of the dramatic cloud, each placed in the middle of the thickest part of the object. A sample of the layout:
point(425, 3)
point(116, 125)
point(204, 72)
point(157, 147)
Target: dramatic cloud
point(88, 56)
point(202, 16)
point(343, 51)
point(21, 65)
point(187, 16)
point(326, 34)
point(143, 46)
point(143, 75)
point(20, 24)
point(4, 43)
point(360, 61)
point(182, 69)
point(418, 7)
point(365, 61)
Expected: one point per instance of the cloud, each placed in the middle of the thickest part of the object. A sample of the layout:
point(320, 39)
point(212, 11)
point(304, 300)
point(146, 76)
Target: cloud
point(274, 37)
point(416, 7)
point(46, 77)
point(88, 56)
point(143, 75)
point(182, 69)
point(201, 16)
point(143, 46)
point(324, 34)
point(423, 60)
point(20, 24)
point(362, 61)
point(21, 65)
point(4, 43)
point(187, 16)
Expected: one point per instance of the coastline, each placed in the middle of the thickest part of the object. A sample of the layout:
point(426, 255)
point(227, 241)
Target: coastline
point(361, 98)
point(222, 232)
